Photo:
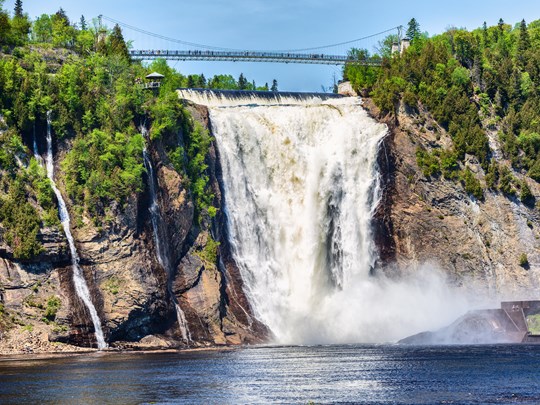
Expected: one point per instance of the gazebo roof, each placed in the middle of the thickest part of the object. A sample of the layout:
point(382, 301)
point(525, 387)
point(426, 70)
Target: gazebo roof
point(155, 75)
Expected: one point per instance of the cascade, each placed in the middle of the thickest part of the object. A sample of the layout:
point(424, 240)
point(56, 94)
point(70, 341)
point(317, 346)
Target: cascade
point(300, 186)
point(78, 280)
point(35, 146)
point(162, 248)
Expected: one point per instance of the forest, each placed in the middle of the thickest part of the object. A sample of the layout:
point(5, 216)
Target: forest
point(82, 74)
point(487, 79)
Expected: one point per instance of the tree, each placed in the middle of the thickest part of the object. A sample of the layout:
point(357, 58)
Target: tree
point(20, 28)
point(524, 43)
point(242, 82)
point(5, 26)
point(413, 29)
point(274, 85)
point(117, 44)
point(61, 14)
point(360, 75)
point(501, 24)
point(18, 8)
point(384, 47)
point(42, 29)
point(485, 34)
point(82, 23)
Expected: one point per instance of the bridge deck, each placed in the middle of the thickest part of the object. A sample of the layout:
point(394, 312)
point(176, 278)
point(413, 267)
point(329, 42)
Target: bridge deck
point(250, 56)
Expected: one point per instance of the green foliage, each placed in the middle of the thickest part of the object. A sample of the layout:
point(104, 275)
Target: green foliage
point(533, 323)
point(197, 146)
point(471, 184)
point(103, 167)
point(53, 305)
point(507, 182)
point(117, 44)
point(492, 176)
point(524, 260)
point(443, 73)
point(525, 195)
point(20, 220)
point(112, 285)
point(210, 251)
point(413, 29)
point(428, 163)
point(360, 76)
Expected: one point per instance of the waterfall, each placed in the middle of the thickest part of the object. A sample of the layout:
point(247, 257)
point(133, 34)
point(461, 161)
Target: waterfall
point(300, 186)
point(80, 283)
point(35, 146)
point(162, 248)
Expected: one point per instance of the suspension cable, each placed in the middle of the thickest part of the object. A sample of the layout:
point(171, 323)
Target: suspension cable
point(196, 45)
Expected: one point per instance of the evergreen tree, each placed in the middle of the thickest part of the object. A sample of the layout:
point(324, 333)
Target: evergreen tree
point(202, 81)
point(274, 85)
point(83, 23)
point(501, 24)
point(18, 8)
point(117, 44)
point(242, 82)
point(524, 40)
point(523, 45)
point(485, 34)
point(413, 29)
point(61, 15)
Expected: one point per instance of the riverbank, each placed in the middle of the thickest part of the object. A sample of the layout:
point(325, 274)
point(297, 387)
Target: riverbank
point(89, 352)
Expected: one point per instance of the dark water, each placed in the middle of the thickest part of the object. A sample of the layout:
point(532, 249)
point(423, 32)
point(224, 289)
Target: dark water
point(324, 374)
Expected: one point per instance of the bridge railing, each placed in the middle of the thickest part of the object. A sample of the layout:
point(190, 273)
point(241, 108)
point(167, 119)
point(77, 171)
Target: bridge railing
point(251, 56)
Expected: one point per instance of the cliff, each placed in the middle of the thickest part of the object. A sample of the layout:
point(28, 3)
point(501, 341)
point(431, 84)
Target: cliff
point(433, 220)
point(40, 310)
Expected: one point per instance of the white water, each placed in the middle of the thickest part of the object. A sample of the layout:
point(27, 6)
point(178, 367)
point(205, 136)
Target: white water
point(300, 187)
point(161, 248)
point(37, 156)
point(78, 280)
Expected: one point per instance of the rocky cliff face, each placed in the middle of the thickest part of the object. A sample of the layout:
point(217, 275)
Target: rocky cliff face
point(40, 310)
point(433, 220)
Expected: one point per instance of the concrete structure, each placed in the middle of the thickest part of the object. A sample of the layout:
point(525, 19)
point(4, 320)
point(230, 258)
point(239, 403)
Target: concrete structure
point(508, 324)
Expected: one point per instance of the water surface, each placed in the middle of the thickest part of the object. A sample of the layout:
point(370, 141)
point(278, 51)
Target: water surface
point(322, 374)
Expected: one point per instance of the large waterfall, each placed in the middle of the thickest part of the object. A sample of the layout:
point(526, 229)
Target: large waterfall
point(300, 185)
point(161, 247)
point(78, 280)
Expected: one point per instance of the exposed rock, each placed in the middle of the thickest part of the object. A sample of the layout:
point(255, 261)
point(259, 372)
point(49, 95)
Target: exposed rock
point(434, 220)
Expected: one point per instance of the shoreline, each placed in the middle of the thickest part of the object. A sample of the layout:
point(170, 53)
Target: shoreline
point(93, 352)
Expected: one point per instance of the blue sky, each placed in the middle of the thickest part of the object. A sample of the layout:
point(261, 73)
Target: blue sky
point(281, 24)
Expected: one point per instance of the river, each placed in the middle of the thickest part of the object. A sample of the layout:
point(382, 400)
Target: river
point(360, 374)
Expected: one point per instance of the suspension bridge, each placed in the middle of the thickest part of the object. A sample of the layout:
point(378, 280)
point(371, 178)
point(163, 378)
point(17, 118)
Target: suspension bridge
point(175, 49)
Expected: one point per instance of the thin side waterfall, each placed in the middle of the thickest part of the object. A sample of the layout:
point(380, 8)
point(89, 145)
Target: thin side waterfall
point(80, 283)
point(300, 185)
point(162, 248)
point(36, 151)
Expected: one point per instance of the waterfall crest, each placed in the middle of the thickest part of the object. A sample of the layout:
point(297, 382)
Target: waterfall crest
point(162, 248)
point(81, 287)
